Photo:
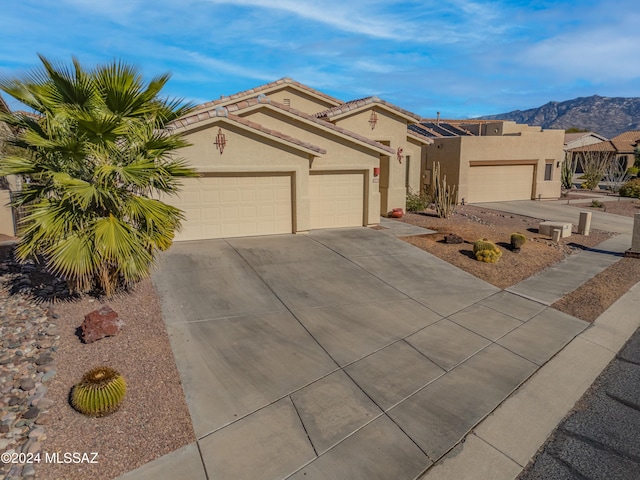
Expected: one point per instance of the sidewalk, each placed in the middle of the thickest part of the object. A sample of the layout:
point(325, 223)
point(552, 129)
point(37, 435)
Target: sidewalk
point(502, 444)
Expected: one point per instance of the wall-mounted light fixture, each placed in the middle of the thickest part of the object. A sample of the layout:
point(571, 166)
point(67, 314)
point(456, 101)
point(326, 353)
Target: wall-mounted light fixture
point(373, 119)
point(399, 154)
point(376, 171)
point(221, 141)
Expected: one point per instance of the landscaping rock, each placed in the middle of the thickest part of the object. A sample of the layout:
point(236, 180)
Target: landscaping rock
point(100, 323)
point(453, 238)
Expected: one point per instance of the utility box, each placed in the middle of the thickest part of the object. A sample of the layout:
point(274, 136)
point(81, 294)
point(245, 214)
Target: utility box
point(547, 228)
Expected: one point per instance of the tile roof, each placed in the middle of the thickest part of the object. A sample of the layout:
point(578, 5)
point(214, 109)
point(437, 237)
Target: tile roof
point(624, 143)
point(264, 100)
point(572, 137)
point(268, 86)
point(362, 102)
point(223, 112)
point(607, 146)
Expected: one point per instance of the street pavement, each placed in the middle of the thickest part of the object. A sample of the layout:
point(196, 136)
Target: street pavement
point(600, 439)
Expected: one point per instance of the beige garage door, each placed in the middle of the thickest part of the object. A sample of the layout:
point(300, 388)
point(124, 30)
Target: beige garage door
point(337, 199)
point(234, 206)
point(500, 183)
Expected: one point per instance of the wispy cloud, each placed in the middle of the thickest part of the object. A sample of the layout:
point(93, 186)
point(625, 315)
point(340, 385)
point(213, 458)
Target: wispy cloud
point(460, 57)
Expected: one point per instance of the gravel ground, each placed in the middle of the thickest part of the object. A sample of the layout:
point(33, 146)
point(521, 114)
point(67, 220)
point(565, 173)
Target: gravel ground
point(473, 223)
point(591, 299)
point(625, 207)
point(153, 419)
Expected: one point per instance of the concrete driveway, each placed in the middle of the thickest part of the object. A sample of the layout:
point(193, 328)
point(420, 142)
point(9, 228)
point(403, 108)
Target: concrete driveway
point(341, 354)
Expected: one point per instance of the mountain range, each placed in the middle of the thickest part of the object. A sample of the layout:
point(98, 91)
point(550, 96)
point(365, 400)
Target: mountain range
point(608, 116)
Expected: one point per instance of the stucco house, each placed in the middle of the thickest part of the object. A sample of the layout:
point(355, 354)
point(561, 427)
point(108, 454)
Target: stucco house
point(495, 160)
point(620, 148)
point(582, 139)
point(285, 158)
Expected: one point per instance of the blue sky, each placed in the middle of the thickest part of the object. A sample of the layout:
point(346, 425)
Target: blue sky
point(463, 58)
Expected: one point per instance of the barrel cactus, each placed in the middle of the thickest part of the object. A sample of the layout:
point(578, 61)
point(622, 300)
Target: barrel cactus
point(517, 241)
point(486, 251)
point(99, 393)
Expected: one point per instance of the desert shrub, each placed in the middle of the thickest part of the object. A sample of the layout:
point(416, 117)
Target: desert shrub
point(417, 201)
point(486, 251)
point(596, 204)
point(631, 188)
point(633, 171)
point(517, 241)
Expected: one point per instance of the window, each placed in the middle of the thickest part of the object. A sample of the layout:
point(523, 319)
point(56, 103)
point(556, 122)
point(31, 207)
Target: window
point(548, 171)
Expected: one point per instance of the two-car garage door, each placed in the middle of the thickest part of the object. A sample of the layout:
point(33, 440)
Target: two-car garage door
point(500, 183)
point(234, 206)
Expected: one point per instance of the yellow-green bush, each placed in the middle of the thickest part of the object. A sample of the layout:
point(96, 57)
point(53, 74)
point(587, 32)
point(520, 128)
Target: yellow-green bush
point(631, 188)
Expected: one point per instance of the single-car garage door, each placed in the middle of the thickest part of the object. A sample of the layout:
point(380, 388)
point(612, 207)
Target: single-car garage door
point(234, 206)
point(336, 199)
point(500, 183)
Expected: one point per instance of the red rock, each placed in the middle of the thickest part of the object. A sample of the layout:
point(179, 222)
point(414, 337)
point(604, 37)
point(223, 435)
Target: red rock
point(100, 323)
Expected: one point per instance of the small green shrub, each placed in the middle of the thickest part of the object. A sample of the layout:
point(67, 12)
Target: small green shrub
point(596, 204)
point(517, 241)
point(486, 251)
point(633, 171)
point(99, 393)
point(631, 188)
point(416, 201)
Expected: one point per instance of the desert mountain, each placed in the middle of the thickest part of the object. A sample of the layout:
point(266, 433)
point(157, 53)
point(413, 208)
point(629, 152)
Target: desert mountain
point(608, 116)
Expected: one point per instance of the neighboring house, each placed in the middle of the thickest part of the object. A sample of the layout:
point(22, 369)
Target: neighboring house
point(495, 160)
point(581, 139)
point(622, 148)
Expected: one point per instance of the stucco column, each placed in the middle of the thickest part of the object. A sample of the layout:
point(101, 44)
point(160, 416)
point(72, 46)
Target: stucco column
point(635, 241)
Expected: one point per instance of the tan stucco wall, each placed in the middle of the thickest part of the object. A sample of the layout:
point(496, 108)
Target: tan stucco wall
point(247, 152)
point(342, 154)
point(299, 100)
point(415, 166)
point(455, 155)
point(6, 215)
point(391, 130)
point(446, 152)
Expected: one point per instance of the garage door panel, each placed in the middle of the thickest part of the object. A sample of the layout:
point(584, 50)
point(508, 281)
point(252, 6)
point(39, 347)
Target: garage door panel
point(336, 200)
point(500, 183)
point(234, 206)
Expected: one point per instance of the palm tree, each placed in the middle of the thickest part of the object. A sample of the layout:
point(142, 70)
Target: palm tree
point(97, 154)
